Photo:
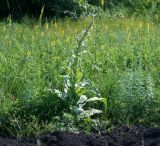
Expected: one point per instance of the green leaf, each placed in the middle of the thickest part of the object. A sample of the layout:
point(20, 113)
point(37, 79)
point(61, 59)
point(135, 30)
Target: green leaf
point(82, 100)
point(79, 76)
point(80, 91)
point(78, 110)
point(91, 112)
point(104, 100)
point(68, 116)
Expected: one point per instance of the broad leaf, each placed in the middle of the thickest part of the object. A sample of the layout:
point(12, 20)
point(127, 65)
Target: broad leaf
point(104, 100)
point(82, 100)
point(91, 112)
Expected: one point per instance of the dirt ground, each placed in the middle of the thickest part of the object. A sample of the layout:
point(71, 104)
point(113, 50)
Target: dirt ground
point(120, 136)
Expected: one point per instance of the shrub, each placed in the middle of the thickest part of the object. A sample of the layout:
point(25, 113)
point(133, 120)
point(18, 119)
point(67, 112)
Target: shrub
point(137, 5)
point(52, 7)
point(135, 99)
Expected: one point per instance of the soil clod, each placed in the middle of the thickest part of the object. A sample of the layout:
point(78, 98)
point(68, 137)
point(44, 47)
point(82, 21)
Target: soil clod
point(120, 136)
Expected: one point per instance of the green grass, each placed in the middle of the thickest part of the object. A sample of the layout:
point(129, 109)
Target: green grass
point(122, 62)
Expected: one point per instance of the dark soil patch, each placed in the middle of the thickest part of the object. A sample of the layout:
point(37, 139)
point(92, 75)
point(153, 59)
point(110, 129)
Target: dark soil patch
point(120, 136)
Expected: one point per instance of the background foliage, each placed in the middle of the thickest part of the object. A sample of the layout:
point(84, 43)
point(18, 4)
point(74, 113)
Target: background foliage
point(33, 7)
point(74, 8)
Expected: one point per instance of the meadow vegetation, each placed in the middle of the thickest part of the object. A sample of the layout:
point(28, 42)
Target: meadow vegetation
point(90, 74)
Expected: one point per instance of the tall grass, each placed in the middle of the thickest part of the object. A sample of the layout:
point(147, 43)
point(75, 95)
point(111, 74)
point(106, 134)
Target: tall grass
point(122, 62)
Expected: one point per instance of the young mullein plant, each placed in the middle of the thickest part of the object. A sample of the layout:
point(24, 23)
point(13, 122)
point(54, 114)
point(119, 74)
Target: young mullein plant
point(76, 86)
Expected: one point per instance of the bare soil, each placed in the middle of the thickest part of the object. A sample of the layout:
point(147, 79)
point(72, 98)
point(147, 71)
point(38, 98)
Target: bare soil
point(120, 136)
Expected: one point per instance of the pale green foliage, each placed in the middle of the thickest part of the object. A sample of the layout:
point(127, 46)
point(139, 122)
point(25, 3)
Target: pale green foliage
point(75, 86)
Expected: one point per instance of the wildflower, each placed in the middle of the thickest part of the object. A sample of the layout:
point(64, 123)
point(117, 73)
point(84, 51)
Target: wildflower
point(53, 43)
point(55, 24)
point(29, 53)
point(46, 26)
point(140, 25)
point(106, 27)
point(127, 28)
point(102, 3)
point(75, 30)
point(32, 38)
point(148, 26)
point(4, 28)
point(42, 34)
point(62, 32)
point(55, 58)
point(128, 37)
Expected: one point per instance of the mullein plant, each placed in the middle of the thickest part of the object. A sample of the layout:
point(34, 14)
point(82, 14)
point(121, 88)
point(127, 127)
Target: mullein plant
point(76, 87)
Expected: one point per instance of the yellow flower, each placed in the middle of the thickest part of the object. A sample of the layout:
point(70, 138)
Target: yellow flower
point(32, 38)
point(127, 28)
point(102, 2)
point(148, 26)
point(29, 53)
point(4, 28)
point(140, 25)
point(106, 27)
point(53, 43)
point(63, 32)
point(46, 26)
point(75, 30)
point(55, 24)
point(129, 35)
point(55, 58)
point(42, 34)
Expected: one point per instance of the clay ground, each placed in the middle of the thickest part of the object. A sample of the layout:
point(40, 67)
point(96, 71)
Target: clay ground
point(120, 136)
